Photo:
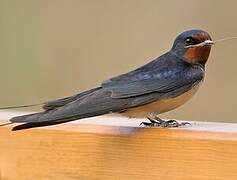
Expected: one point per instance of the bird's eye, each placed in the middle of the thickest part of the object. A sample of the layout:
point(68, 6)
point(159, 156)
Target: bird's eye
point(189, 41)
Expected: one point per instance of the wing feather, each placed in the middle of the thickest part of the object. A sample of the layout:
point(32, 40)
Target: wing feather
point(162, 75)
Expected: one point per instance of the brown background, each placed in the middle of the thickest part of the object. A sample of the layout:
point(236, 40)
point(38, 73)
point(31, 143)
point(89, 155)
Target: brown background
point(50, 49)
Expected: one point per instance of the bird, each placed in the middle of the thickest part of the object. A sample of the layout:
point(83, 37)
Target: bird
point(159, 86)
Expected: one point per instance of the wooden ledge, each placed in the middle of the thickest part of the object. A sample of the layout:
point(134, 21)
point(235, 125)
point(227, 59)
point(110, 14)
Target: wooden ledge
point(117, 148)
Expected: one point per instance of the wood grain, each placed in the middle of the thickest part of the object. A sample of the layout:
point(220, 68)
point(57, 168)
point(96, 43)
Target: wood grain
point(95, 149)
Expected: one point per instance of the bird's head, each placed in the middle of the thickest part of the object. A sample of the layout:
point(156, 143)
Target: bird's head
point(193, 46)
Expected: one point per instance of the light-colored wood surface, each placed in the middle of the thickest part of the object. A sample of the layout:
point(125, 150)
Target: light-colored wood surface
point(116, 148)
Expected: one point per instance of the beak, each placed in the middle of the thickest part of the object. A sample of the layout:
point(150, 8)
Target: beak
point(204, 43)
point(208, 42)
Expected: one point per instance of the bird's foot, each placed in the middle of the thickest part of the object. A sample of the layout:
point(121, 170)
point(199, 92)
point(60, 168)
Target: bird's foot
point(162, 123)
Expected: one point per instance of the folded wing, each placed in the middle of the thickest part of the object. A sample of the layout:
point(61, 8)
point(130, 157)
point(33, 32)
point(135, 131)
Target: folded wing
point(165, 75)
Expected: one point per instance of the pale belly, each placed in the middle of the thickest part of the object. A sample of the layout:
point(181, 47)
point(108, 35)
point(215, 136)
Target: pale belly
point(160, 106)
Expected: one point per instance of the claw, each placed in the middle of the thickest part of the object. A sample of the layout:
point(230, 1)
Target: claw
point(161, 123)
point(145, 124)
point(153, 120)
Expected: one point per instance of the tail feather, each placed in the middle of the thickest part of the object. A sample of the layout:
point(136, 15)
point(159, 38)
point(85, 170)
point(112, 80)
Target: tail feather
point(28, 124)
point(61, 102)
point(22, 106)
point(38, 124)
point(23, 118)
point(50, 105)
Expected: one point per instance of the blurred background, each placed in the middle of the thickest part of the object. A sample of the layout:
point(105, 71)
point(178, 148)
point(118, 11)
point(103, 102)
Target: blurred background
point(51, 49)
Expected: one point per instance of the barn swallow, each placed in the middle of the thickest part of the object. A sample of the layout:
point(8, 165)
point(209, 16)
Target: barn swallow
point(162, 85)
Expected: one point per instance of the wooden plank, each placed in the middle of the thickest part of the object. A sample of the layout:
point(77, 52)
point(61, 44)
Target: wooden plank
point(117, 148)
